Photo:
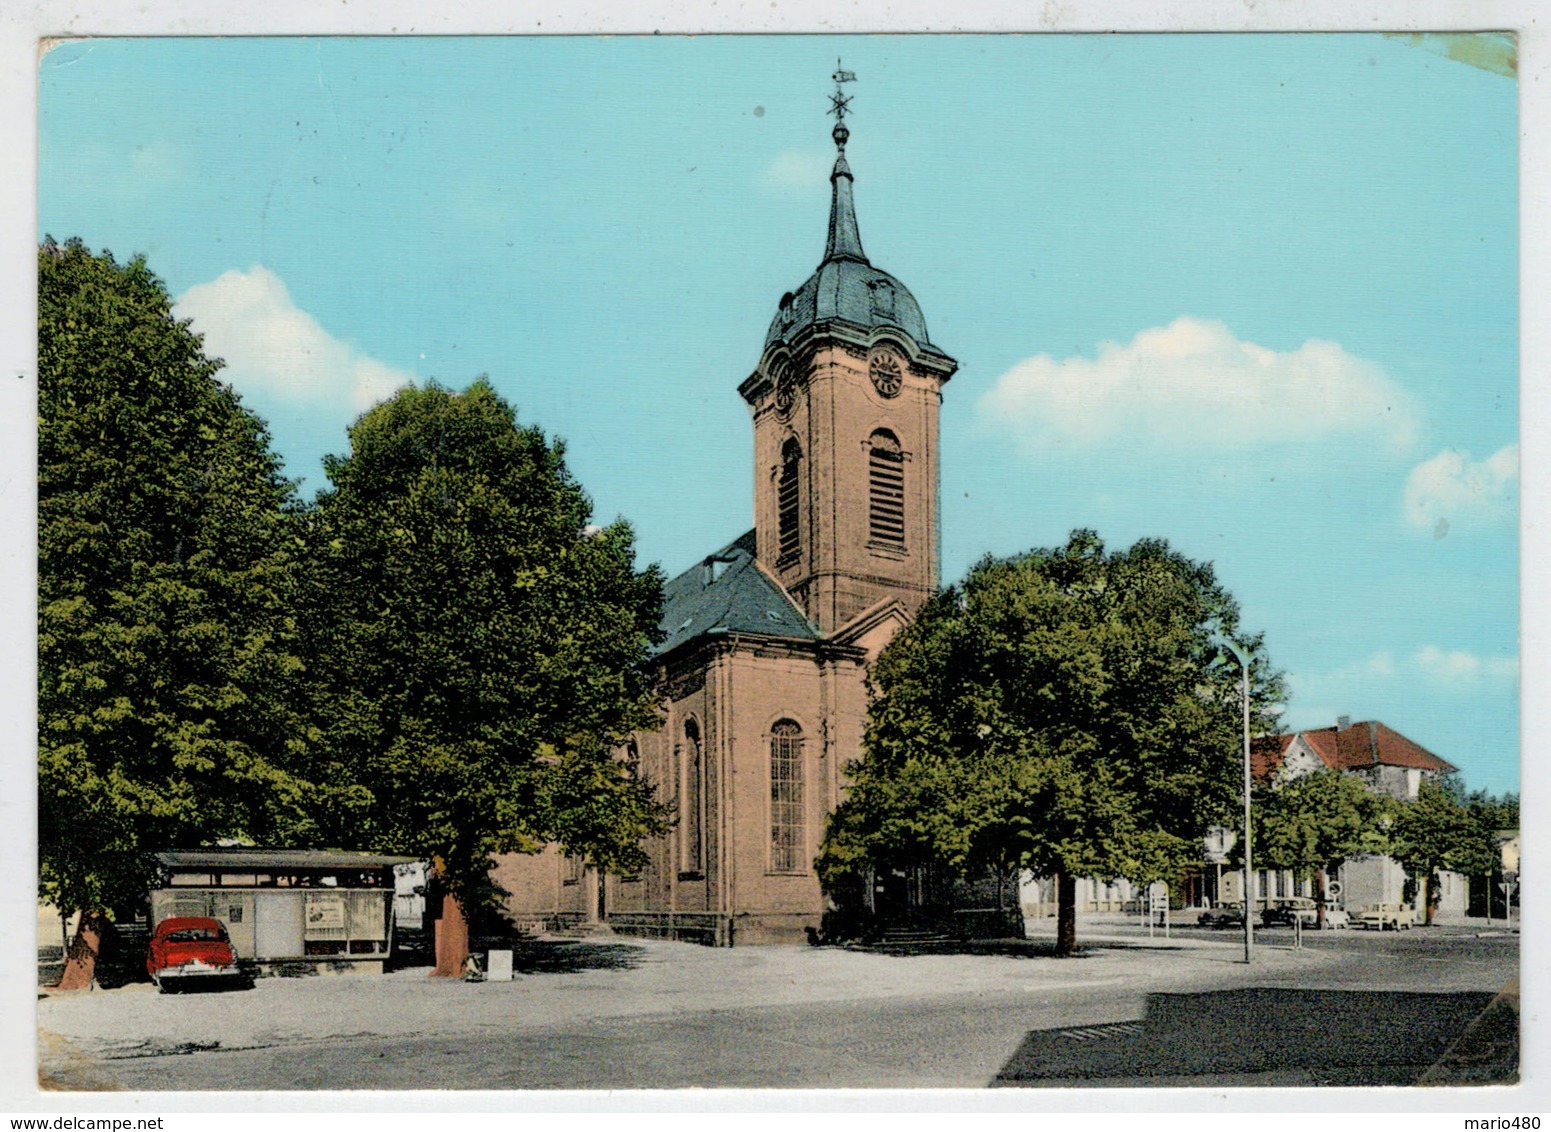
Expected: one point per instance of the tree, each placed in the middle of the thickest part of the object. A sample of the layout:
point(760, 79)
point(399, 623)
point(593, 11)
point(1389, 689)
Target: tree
point(1497, 817)
point(1494, 812)
point(1066, 711)
point(166, 557)
point(1437, 831)
point(1312, 823)
point(480, 646)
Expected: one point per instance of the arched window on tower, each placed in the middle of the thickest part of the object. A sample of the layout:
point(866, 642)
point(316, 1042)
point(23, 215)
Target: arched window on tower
point(787, 504)
point(787, 827)
point(886, 490)
point(691, 819)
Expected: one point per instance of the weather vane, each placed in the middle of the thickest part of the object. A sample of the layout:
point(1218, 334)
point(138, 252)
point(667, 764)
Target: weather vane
point(839, 102)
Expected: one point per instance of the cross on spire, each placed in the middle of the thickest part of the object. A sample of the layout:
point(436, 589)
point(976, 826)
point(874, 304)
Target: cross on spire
point(839, 103)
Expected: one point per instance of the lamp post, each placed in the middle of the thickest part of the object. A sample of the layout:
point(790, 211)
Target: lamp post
point(1249, 905)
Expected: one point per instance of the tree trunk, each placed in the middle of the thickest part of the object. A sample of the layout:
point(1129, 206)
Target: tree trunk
point(452, 940)
point(1427, 900)
point(1066, 914)
point(81, 956)
point(1319, 897)
point(451, 929)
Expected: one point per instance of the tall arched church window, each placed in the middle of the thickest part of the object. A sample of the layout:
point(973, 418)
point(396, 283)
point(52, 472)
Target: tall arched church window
point(787, 500)
point(886, 490)
point(787, 827)
point(691, 820)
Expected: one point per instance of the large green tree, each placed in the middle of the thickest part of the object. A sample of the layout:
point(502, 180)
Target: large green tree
point(1312, 823)
point(166, 559)
point(1439, 831)
point(480, 645)
point(1067, 711)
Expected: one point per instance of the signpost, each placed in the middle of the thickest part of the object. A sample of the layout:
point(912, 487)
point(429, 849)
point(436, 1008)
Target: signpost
point(1509, 882)
point(1157, 906)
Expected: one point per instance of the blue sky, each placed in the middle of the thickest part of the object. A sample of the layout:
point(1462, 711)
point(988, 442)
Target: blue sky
point(1253, 294)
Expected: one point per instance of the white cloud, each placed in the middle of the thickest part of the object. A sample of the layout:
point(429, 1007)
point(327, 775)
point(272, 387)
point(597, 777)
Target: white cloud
point(1376, 666)
point(1458, 666)
point(274, 349)
point(1379, 664)
point(1449, 489)
point(799, 169)
point(1341, 691)
point(1193, 385)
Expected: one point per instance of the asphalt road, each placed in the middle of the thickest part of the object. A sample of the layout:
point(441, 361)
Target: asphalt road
point(1354, 1009)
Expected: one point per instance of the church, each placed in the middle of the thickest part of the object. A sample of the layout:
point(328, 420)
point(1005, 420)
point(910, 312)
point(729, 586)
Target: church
point(768, 639)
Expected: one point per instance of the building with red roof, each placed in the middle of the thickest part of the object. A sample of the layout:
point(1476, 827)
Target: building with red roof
point(1388, 763)
point(1381, 756)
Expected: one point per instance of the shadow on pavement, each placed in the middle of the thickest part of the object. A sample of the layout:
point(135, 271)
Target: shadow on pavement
point(207, 986)
point(555, 957)
point(1269, 1036)
point(1487, 1053)
point(1016, 948)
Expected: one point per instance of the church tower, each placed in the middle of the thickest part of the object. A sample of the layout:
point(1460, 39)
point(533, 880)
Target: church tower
point(845, 401)
point(766, 641)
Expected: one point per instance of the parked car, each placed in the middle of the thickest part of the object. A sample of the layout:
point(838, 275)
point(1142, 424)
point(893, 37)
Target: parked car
point(189, 950)
point(1283, 912)
point(1230, 915)
point(1336, 919)
point(1386, 917)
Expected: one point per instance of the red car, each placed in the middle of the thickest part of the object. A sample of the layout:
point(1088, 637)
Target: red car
point(189, 949)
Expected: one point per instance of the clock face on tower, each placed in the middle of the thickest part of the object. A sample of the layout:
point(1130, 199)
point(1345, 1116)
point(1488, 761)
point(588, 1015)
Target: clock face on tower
point(887, 377)
point(785, 393)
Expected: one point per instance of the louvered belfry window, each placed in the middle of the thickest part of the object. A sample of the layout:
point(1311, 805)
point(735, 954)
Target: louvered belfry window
point(786, 799)
point(886, 489)
point(787, 499)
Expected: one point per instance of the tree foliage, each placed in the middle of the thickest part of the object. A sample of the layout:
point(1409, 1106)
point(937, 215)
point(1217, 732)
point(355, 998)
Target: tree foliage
point(480, 647)
point(166, 562)
point(1439, 831)
point(1310, 824)
point(1316, 821)
point(1066, 711)
point(1497, 813)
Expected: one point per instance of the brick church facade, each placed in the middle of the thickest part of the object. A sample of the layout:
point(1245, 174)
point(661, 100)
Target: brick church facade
point(764, 663)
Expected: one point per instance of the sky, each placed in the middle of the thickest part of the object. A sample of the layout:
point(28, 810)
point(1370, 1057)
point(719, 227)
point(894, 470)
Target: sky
point(1253, 294)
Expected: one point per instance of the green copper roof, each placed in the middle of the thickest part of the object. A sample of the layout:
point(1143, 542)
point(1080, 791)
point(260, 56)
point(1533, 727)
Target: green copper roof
point(846, 287)
point(727, 593)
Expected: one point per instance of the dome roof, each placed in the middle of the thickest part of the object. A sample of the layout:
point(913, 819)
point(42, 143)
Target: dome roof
point(851, 291)
point(846, 287)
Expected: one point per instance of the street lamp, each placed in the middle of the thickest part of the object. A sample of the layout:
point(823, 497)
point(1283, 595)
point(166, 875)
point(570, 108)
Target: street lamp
point(1249, 905)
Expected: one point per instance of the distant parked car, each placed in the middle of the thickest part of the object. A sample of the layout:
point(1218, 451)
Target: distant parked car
point(1386, 917)
point(185, 950)
point(1230, 915)
point(1336, 919)
point(1285, 911)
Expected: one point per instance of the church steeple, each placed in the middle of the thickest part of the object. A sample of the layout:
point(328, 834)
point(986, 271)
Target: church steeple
point(844, 242)
point(845, 401)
